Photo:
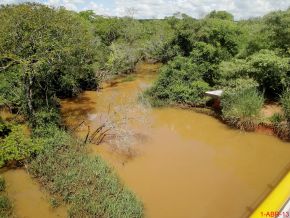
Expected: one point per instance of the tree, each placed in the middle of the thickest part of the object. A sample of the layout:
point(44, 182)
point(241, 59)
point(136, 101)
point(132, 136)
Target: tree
point(277, 24)
point(50, 50)
point(223, 15)
point(270, 71)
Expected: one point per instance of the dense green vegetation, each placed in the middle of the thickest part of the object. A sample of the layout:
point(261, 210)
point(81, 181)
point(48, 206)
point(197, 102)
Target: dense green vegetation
point(249, 60)
point(47, 54)
point(51, 53)
point(86, 183)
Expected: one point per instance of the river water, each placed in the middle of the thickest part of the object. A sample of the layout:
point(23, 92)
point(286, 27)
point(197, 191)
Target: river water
point(189, 164)
point(28, 199)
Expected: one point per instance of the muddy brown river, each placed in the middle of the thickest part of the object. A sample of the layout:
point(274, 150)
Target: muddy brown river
point(190, 165)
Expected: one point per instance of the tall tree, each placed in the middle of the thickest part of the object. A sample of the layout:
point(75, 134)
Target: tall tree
point(51, 50)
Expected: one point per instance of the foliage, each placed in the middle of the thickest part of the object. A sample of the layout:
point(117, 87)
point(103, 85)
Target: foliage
point(285, 101)
point(45, 117)
point(122, 58)
point(86, 183)
point(179, 82)
point(17, 146)
point(270, 71)
point(45, 53)
point(223, 15)
point(277, 26)
point(266, 67)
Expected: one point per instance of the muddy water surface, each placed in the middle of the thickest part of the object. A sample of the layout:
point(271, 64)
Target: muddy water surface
point(190, 164)
point(29, 201)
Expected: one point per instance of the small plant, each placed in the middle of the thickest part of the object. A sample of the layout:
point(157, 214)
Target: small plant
point(2, 184)
point(276, 118)
point(54, 203)
point(5, 206)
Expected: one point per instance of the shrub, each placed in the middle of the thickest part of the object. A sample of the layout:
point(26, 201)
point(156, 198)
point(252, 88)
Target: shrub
point(269, 70)
point(285, 101)
point(17, 146)
point(266, 67)
point(229, 70)
point(241, 106)
point(179, 82)
point(45, 117)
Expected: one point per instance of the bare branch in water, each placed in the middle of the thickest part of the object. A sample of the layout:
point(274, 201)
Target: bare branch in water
point(119, 125)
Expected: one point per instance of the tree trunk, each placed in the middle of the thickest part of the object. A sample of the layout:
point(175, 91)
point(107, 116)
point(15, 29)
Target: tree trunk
point(29, 93)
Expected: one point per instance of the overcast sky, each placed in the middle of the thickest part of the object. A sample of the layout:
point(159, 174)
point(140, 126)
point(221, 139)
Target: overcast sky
point(161, 8)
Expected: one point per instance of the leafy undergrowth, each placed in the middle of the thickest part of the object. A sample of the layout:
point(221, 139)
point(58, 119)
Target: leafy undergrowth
point(87, 184)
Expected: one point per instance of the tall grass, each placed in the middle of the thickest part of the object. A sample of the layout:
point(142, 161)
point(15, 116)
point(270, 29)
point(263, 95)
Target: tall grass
point(285, 101)
point(242, 108)
point(86, 183)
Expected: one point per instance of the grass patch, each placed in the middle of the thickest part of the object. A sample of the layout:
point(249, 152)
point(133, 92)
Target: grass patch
point(242, 108)
point(87, 184)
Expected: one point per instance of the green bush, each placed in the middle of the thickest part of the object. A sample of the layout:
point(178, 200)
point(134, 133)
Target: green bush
point(17, 146)
point(179, 82)
point(231, 70)
point(269, 70)
point(45, 117)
